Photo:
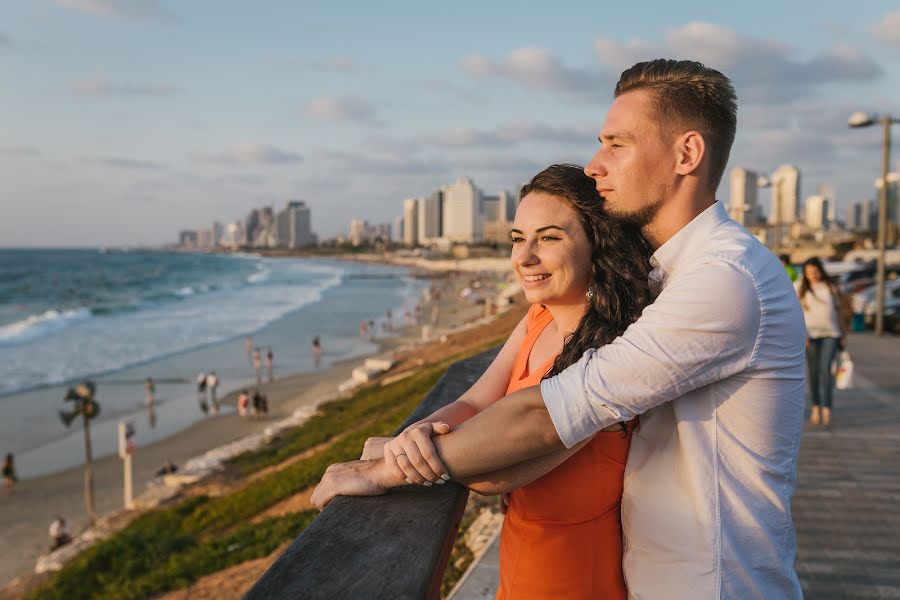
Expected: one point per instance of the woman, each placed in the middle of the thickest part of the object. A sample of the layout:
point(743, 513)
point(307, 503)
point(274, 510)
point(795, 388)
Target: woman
point(826, 331)
point(9, 472)
point(586, 278)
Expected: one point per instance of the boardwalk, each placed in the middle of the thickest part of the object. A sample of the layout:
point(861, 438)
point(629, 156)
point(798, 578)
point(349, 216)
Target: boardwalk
point(847, 505)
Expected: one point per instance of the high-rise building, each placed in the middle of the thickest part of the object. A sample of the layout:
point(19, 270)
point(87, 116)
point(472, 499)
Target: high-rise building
point(294, 226)
point(217, 232)
point(358, 232)
point(743, 203)
point(860, 217)
point(429, 217)
point(397, 233)
point(411, 218)
point(893, 196)
point(508, 204)
point(462, 216)
point(785, 195)
point(187, 238)
point(817, 212)
point(829, 192)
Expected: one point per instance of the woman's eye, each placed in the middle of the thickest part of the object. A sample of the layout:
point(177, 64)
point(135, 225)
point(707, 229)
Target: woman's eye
point(516, 240)
point(549, 238)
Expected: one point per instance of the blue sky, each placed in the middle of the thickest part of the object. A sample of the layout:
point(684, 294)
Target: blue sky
point(127, 120)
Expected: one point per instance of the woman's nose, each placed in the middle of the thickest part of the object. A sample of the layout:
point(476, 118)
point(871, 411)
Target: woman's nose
point(524, 253)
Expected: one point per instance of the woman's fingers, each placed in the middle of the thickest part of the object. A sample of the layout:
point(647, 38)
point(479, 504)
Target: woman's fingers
point(411, 474)
point(429, 456)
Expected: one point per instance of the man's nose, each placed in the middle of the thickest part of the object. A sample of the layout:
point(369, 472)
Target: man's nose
point(595, 168)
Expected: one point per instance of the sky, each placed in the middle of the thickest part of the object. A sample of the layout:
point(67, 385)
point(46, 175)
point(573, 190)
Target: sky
point(125, 121)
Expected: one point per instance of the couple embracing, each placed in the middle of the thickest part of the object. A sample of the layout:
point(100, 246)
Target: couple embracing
point(643, 420)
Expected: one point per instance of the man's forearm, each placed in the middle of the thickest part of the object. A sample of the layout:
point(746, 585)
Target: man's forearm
point(513, 429)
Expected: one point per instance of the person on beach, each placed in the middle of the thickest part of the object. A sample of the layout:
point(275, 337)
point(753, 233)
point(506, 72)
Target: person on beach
point(827, 316)
point(212, 382)
point(59, 533)
point(201, 393)
point(243, 404)
point(248, 345)
point(714, 367)
point(257, 404)
point(270, 362)
point(317, 351)
point(586, 279)
point(9, 472)
point(363, 330)
point(257, 366)
point(150, 389)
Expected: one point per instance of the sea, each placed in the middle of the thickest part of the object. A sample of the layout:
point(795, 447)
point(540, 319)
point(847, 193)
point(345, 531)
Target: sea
point(116, 317)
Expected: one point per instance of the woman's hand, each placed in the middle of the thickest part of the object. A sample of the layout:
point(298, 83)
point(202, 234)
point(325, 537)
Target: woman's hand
point(413, 454)
point(842, 343)
point(374, 448)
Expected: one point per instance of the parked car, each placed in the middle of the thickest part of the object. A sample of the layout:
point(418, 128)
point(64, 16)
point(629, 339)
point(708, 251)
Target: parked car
point(891, 300)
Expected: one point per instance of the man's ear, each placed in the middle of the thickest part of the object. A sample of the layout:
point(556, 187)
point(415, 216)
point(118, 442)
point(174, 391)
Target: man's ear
point(691, 149)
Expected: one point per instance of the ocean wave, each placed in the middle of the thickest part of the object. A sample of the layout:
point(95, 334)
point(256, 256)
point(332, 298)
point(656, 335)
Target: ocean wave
point(162, 329)
point(38, 326)
point(261, 276)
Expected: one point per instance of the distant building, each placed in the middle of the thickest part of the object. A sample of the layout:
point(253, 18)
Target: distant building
point(893, 196)
point(293, 225)
point(187, 238)
point(498, 211)
point(785, 195)
point(429, 215)
point(397, 232)
point(829, 192)
point(217, 233)
point(411, 217)
point(743, 205)
point(204, 238)
point(817, 212)
point(462, 219)
point(359, 232)
point(860, 216)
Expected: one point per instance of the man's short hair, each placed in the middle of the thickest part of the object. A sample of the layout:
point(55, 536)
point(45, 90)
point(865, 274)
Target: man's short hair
point(688, 95)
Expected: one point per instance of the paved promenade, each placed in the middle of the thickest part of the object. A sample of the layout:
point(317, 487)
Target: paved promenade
point(847, 505)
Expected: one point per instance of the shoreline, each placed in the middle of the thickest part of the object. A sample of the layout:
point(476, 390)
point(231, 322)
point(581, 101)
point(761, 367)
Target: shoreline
point(26, 513)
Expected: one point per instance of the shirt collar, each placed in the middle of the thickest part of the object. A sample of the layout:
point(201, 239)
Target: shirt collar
point(689, 241)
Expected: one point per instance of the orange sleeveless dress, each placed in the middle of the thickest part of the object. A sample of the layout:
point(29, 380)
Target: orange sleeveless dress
point(562, 536)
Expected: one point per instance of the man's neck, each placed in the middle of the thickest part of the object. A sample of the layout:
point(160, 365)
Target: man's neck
point(673, 216)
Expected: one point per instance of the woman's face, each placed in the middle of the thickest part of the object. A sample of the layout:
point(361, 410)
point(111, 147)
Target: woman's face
point(551, 253)
point(812, 274)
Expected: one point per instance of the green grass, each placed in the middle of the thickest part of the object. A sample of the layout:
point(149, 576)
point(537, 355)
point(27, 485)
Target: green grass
point(171, 548)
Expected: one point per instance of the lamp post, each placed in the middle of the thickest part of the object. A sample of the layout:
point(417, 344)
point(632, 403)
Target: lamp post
point(862, 119)
point(85, 406)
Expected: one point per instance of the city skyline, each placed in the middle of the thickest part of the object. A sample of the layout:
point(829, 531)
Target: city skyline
point(136, 119)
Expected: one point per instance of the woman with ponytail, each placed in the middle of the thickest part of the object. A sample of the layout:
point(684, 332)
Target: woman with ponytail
point(585, 276)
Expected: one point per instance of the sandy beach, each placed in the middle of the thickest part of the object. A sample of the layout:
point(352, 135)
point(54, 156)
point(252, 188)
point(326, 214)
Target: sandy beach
point(26, 513)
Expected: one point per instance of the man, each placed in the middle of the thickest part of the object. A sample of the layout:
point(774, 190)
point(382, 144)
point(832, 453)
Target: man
point(714, 367)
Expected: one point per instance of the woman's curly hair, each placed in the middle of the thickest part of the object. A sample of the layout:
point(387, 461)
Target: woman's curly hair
point(619, 259)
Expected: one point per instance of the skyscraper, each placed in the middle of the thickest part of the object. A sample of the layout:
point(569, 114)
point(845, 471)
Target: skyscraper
point(785, 195)
point(743, 205)
point(462, 218)
point(411, 216)
point(429, 217)
point(817, 212)
point(294, 225)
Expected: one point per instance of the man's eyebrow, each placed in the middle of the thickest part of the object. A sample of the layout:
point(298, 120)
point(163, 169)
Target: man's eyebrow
point(615, 135)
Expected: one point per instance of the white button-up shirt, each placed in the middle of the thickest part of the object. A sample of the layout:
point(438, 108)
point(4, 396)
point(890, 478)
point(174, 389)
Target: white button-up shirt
point(715, 369)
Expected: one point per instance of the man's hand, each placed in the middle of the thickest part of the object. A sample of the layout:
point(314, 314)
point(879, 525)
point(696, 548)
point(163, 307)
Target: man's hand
point(413, 456)
point(374, 448)
point(357, 478)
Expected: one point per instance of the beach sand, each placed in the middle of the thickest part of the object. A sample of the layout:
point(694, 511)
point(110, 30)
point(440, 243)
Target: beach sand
point(26, 513)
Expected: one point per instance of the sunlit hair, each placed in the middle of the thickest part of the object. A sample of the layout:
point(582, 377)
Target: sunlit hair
point(619, 262)
point(689, 96)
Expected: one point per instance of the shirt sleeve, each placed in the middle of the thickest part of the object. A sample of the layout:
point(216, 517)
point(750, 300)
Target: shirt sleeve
point(702, 328)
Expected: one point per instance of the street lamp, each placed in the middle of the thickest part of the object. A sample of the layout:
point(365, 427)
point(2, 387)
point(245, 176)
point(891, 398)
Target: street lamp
point(85, 406)
point(863, 119)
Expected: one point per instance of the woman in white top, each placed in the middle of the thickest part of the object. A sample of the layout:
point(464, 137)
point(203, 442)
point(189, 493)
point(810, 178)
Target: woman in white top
point(826, 331)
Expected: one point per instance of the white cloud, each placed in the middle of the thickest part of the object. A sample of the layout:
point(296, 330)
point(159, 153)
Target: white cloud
point(537, 68)
point(19, 151)
point(343, 108)
point(125, 163)
point(252, 153)
point(763, 70)
point(129, 10)
point(102, 86)
point(888, 29)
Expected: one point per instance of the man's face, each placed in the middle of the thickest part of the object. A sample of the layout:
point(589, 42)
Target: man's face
point(634, 167)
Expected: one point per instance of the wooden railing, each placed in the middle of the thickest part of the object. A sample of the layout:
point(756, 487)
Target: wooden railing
point(392, 546)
